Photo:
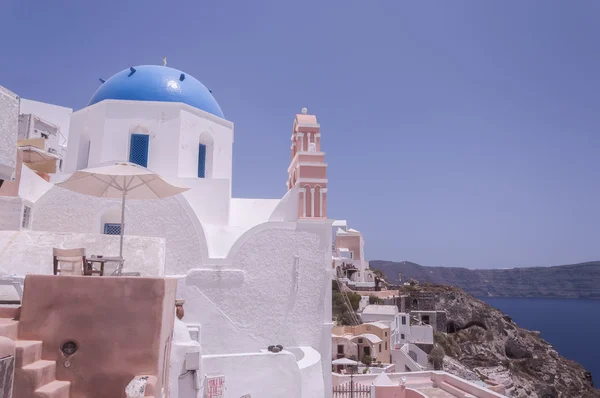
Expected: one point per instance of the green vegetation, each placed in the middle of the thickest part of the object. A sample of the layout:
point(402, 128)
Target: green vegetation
point(367, 360)
point(341, 314)
point(375, 300)
point(436, 357)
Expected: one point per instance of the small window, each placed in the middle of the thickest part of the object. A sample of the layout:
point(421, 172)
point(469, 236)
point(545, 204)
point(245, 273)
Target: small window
point(360, 341)
point(379, 347)
point(386, 345)
point(340, 349)
point(138, 150)
point(415, 303)
point(201, 161)
point(385, 334)
point(404, 320)
point(425, 319)
point(402, 336)
point(26, 217)
point(112, 229)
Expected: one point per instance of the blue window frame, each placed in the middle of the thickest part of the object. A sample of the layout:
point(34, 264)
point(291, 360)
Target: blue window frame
point(201, 160)
point(112, 229)
point(138, 150)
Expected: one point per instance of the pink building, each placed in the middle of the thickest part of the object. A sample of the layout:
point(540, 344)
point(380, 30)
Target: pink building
point(308, 170)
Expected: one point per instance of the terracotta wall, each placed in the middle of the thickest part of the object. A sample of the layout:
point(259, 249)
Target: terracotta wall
point(122, 326)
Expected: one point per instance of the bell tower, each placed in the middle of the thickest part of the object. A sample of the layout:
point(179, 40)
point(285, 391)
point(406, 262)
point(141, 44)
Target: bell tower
point(308, 170)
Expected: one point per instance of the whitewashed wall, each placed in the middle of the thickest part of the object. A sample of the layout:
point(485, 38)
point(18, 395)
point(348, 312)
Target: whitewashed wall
point(9, 122)
point(174, 129)
point(30, 252)
point(170, 219)
point(11, 213)
point(264, 375)
point(58, 115)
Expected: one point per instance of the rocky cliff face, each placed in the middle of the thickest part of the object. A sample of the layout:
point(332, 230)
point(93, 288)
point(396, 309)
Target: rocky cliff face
point(503, 352)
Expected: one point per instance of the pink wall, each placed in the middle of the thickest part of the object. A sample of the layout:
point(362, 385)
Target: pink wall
point(390, 392)
point(122, 326)
point(350, 242)
point(319, 172)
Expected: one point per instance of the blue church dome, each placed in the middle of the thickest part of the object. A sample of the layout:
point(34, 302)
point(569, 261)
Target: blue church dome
point(157, 83)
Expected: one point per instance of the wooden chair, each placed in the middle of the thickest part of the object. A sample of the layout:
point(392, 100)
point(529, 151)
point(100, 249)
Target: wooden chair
point(70, 262)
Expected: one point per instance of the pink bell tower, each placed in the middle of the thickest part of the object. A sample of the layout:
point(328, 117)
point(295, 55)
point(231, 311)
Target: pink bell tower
point(308, 170)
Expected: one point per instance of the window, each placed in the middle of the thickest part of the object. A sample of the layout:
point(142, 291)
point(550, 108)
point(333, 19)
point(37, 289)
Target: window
point(138, 150)
point(379, 347)
point(26, 217)
point(415, 303)
point(425, 319)
point(340, 349)
point(386, 345)
point(201, 161)
point(112, 229)
point(385, 334)
point(404, 320)
point(360, 341)
point(402, 336)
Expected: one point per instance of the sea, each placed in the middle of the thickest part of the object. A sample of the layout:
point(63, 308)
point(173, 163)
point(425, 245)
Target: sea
point(570, 325)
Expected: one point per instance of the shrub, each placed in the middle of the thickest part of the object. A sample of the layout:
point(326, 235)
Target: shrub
point(366, 359)
point(436, 357)
point(375, 300)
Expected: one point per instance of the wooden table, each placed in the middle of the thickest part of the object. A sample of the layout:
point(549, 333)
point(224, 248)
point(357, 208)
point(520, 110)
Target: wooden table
point(102, 260)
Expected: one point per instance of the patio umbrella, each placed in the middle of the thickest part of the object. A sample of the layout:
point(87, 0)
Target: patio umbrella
point(122, 180)
point(344, 361)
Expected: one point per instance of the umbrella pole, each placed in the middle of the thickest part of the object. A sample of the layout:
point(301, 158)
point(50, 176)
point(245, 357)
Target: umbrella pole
point(122, 218)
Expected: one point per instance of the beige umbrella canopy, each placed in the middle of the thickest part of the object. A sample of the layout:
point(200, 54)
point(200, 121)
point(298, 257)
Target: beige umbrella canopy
point(122, 180)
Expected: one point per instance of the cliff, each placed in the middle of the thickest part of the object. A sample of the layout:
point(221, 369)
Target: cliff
point(497, 349)
point(564, 281)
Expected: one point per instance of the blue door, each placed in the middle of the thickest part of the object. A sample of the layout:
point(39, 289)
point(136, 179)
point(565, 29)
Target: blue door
point(201, 160)
point(138, 150)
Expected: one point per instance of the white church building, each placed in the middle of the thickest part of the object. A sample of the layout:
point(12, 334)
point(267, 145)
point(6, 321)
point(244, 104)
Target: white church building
point(253, 272)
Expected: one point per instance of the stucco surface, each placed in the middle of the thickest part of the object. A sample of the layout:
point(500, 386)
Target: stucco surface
point(9, 121)
point(121, 326)
point(264, 375)
point(311, 373)
point(250, 212)
point(266, 309)
point(10, 213)
point(161, 218)
point(30, 252)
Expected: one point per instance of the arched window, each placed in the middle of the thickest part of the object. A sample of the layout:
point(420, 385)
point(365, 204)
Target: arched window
point(110, 220)
point(201, 160)
point(138, 149)
point(307, 201)
point(205, 155)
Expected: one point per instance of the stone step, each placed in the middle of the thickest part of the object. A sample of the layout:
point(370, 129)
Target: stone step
point(27, 352)
point(9, 328)
point(55, 389)
point(36, 374)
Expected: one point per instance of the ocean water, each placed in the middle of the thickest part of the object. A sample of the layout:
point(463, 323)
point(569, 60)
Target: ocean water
point(571, 325)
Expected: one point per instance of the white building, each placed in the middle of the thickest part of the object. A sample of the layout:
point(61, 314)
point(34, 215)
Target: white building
point(253, 272)
point(349, 261)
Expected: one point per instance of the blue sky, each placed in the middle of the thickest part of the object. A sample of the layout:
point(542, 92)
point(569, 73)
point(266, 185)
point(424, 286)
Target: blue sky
point(458, 133)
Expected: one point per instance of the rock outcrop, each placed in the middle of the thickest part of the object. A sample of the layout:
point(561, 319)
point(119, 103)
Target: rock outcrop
point(502, 352)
